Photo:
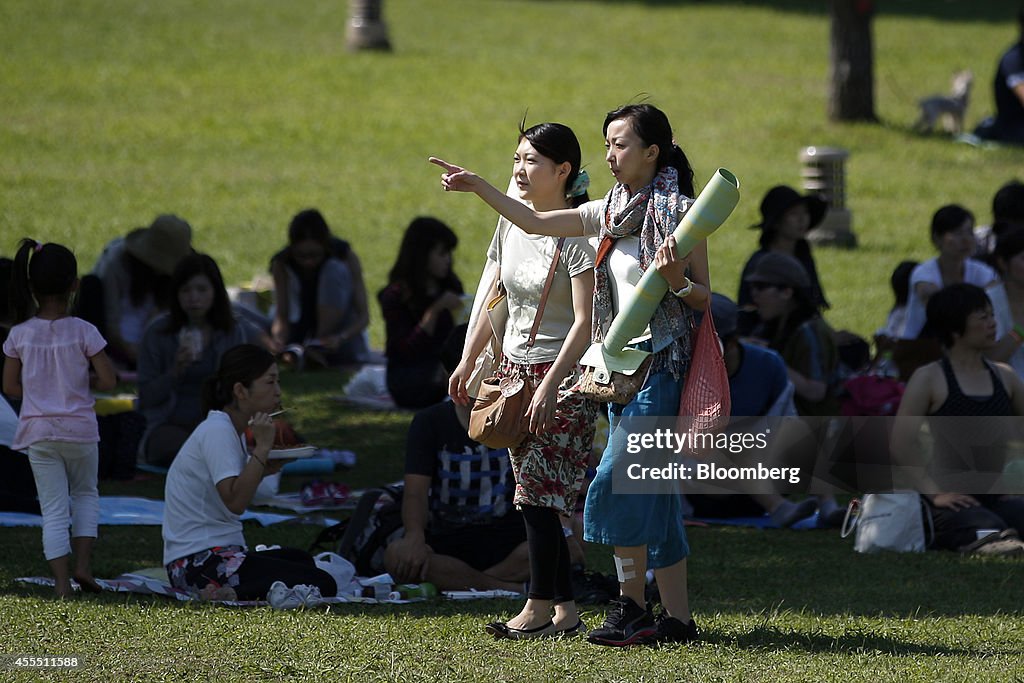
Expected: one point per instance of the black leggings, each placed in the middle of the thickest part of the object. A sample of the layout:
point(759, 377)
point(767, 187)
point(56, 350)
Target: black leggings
point(288, 565)
point(550, 572)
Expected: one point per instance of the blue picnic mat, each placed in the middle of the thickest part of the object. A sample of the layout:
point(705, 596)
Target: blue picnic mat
point(124, 510)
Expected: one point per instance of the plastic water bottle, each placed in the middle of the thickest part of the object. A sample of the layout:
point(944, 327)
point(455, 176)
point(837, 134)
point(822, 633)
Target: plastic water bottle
point(413, 591)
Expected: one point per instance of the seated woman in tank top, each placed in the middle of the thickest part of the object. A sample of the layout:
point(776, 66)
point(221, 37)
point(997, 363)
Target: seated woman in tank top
point(963, 384)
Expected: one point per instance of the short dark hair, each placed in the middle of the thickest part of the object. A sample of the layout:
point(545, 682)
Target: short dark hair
point(949, 308)
point(948, 218)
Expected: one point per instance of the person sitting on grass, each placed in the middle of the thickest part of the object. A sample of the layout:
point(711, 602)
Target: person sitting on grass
point(419, 306)
point(212, 481)
point(952, 233)
point(461, 529)
point(179, 350)
point(963, 383)
point(791, 324)
point(130, 284)
point(1007, 214)
point(899, 282)
point(319, 296)
point(1007, 126)
point(759, 387)
point(786, 219)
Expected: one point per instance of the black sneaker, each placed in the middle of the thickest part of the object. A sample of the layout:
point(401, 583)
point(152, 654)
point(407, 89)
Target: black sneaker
point(672, 630)
point(627, 624)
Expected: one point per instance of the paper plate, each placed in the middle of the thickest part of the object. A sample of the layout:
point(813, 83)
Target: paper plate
point(289, 453)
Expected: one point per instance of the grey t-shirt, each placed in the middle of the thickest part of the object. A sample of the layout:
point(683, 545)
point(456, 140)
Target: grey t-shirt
point(525, 260)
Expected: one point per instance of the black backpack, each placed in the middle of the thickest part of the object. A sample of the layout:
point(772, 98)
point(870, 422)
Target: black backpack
point(362, 538)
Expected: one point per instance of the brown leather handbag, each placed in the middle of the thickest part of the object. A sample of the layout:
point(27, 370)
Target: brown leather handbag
point(498, 417)
point(608, 386)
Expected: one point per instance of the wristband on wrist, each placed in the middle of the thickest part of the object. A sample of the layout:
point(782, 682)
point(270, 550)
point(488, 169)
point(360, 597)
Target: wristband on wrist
point(684, 290)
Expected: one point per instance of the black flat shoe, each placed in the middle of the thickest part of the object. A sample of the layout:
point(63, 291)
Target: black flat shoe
point(500, 631)
point(579, 629)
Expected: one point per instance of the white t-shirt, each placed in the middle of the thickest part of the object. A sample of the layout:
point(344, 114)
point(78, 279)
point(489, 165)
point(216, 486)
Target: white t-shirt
point(623, 259)
point(195, 517)
point(525, 261)
point(975, 273)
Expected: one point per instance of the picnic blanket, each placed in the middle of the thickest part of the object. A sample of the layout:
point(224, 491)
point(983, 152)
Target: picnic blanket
point(153, 581)
point(293, 501)
point(125, 510)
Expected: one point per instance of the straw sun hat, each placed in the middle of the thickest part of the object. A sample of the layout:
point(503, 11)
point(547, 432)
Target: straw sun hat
point(162, 244)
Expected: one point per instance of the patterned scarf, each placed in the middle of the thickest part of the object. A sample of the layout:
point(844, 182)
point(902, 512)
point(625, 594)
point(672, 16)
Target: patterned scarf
point(652, 212)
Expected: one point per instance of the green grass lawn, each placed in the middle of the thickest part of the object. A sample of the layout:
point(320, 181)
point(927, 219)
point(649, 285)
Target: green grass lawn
point(237, 114)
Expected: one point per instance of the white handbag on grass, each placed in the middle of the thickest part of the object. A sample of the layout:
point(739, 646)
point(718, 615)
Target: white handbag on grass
point(889, 521)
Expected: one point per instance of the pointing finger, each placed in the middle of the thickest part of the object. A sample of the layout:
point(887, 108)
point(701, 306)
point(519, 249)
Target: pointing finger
point(443, 164)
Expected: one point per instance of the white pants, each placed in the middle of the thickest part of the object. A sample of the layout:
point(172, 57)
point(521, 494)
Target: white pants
point(61, 469)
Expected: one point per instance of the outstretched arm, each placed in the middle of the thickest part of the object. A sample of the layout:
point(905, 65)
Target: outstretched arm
point(558, 223)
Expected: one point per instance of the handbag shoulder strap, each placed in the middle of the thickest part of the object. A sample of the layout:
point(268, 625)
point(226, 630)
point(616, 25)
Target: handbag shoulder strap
point(544, 295)
point(502, 236)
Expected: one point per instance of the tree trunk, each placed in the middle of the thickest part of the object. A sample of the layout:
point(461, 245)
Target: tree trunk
point(851, 69)
point(366, 29)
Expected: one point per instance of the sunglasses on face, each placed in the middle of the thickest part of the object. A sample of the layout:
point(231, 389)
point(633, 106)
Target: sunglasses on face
point(759, 286)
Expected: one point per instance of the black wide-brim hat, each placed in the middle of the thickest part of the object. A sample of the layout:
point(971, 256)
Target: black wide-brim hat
point(781, 198)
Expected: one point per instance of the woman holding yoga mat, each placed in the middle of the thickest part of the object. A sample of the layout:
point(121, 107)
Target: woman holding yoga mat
point(542, 344)
point(635, 221)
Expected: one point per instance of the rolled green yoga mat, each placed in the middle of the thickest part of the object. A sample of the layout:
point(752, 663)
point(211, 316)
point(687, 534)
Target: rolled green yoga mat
point(711, 208)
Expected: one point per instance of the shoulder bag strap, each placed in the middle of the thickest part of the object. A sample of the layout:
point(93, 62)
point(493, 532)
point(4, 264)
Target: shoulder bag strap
point(544, 295)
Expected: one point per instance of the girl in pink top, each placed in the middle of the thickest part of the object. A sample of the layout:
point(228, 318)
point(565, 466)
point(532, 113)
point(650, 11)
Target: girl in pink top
point(49, 355)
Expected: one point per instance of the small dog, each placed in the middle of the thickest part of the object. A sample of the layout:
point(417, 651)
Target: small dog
point(950, 108)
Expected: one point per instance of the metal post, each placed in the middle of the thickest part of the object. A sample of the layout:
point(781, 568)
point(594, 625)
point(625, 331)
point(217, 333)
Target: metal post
point(365, 29)
point(824, 173)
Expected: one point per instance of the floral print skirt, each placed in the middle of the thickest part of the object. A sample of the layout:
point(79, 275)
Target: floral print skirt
point(216, 567)
point(549, 468)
